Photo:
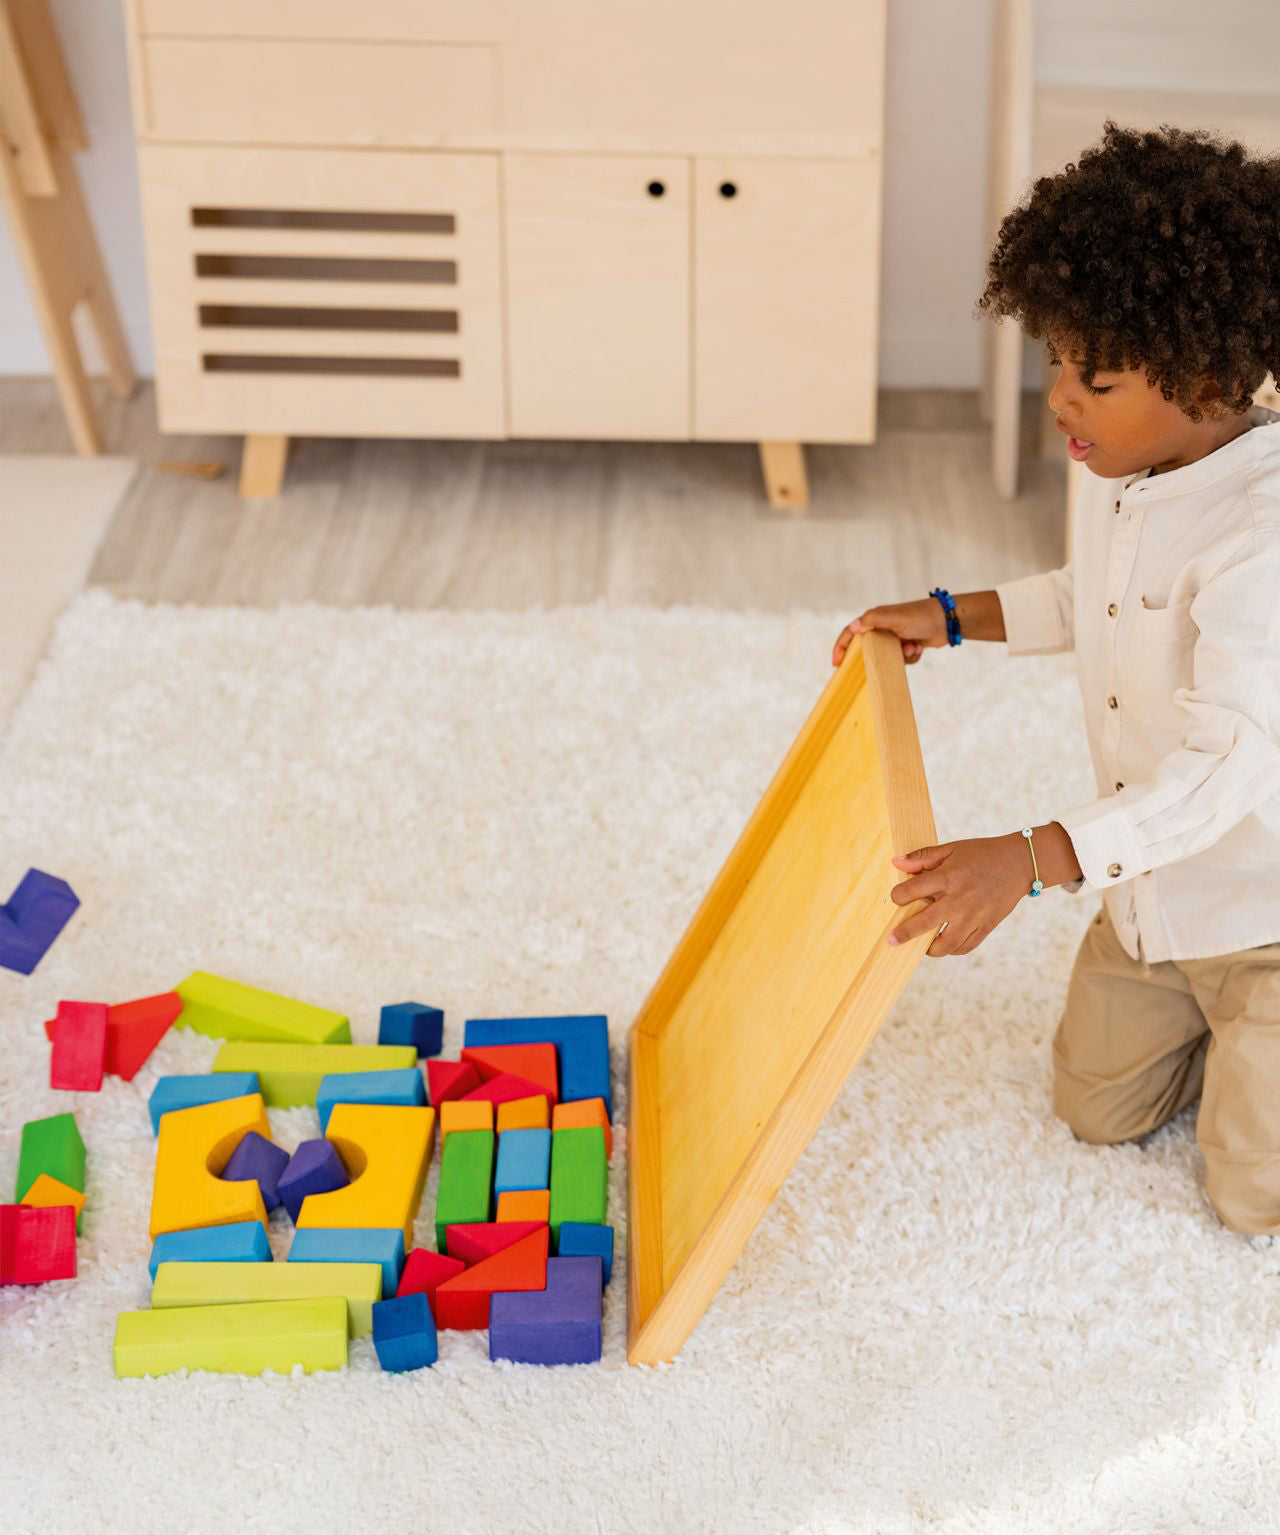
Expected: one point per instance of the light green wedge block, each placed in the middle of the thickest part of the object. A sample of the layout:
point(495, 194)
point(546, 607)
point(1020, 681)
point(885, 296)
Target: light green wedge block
point(234, 1340)
point(291, 1074)
point(212, 1284)
point(231, 1010)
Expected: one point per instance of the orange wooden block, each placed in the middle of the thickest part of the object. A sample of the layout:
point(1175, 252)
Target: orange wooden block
point(463, 1114)
point(524, 1205)
point(524, 1114)
point(463, 1301)
point(582, 1113)
point(47, 1191)
point(535, 1063)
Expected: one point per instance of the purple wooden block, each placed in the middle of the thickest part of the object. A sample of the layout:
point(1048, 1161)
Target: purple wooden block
point(32, 918)
point(257, 1157)
point(558, 1325)
point(315, 1168)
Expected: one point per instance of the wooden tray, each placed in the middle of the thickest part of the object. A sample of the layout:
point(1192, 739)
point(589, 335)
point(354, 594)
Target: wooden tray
point(775, 990)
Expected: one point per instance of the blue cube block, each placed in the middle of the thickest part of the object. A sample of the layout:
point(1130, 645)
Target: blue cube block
point(33, 916)
point(203, 1087)
point(524, 1160)
point(404, 1332)
point(412, 1023)
point(562, 1324)
point(240, 1242)
point(582, 1045)
point(580, 1240)
point(258, 1158)
point(342, 1244)
point(403, 1086)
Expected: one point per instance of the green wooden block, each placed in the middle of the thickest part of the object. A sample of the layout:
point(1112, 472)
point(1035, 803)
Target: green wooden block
point(579, 1177)
point(211, 1284)
point(51, 1146)
point(466, 1180)
point(231, 1010)
point(234, 1340)
point(291, 1074)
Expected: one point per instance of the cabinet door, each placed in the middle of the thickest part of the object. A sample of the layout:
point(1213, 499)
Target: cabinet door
point(598, 295)
point(786, 299)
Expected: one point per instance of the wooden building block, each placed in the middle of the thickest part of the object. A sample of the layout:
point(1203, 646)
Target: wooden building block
point(462, 1114)
point(425, 1272)
point(315, 1168)
point(239, 1242)
point(402, 1086)
point(412, 1023)
point(349, 1244)
point(450, 1079)
point(582, 1046)
point(188, 1092)
point(217, 1284)
point(474, 1242)
point(561, 1324)
point(37, 1243)
point(535, 1063)
point(525, 1205)
point(193, 1147)
point(258, 1158)
point(524, 1161)
point(386, 1148)
point(404, 1333)
point(32, 918)
point(466, 1180)
point(502, 1089)
point(579, 1177)
point(52, 1146)
point(463, 1302)
point(234, 1340)
point(225, 1009)
point(79, 1053)
point(578, 1240)
point(531, 1113)
point(134, 1029)
point(291, 1074)
point(584, 1111)
point(46, 1191)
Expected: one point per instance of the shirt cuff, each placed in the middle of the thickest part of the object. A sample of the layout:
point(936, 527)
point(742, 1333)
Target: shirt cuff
point(1107, 848)
point(1032, 619)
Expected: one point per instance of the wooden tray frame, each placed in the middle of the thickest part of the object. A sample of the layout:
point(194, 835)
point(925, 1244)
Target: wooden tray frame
point(663, 1311)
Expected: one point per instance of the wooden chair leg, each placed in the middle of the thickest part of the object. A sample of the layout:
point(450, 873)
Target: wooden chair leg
point(105, 318)
point(73, 385)
point(785, 480)
point(262, 467)
point(1006, 408)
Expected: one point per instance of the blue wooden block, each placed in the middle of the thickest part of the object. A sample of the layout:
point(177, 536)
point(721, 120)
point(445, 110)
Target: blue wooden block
point(314, 1168)
point(559, 1325)
point(257, 1157)
point(404, 1332)
point(404, 1086)
point(241, 1242)
point(524, 1160)
point(412, 1023)
point(203, 1087)
point(579, 1240)
point(582, 1045)
point(342, 1244)
point(33, 916)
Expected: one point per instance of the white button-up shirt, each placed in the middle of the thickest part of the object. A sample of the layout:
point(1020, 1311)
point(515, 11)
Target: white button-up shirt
point(1171, 601)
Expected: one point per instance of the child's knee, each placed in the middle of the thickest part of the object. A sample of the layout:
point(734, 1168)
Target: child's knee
point(1244, 1189)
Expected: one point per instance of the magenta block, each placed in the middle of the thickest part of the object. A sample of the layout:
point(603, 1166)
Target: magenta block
point(558, 1325)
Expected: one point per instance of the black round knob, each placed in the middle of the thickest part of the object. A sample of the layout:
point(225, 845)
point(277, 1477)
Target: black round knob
point(728, 189)
point(657, 188)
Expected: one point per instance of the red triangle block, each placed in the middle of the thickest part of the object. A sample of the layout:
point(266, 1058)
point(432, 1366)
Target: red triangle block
point(535, 1063)
point(450, 1079)
point(134, 1029)
point(505, 1089)
point(425, 1272)
point(463, 1302)
point(476, 1241)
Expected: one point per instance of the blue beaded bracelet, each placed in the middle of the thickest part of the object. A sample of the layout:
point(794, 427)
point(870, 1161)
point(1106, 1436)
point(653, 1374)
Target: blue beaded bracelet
point(949, 609)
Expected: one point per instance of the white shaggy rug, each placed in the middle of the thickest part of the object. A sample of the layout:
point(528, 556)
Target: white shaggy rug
point(955, 1317)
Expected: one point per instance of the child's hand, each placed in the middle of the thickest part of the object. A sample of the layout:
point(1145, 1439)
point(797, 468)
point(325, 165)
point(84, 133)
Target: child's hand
point(919, 625)
point(973, 886)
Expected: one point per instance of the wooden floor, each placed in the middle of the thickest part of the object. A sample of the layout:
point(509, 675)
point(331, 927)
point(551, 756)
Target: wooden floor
point(522, 523)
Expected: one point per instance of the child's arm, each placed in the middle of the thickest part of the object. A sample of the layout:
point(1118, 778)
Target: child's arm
point(921, 625)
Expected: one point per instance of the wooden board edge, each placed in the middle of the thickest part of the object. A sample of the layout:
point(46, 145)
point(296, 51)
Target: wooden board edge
point(906, 791)
point(644, 1184)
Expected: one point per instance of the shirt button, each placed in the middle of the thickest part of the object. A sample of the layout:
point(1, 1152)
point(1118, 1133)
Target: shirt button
point(1112, 610)
point(1112, 703)
point(1117, 506)
point(1119, 786)
point(1114, 870)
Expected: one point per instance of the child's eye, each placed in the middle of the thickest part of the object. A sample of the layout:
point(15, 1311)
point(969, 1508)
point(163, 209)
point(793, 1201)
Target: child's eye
point(1105, 389)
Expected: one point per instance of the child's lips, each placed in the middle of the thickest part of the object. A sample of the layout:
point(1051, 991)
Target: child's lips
point(1079, 449)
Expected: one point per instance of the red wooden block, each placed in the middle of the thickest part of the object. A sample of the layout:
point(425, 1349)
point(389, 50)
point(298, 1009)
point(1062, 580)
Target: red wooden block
point(426, 1271)
point(37, 1243)
point(463, 1302)
point(535, 1063)
point(79, 1046)
point(505, 1088)
point(450, 1079)
point(476, 1241)
point(134, 1029)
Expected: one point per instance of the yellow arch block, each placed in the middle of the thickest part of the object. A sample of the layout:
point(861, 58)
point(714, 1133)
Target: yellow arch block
point(193, 1148)
point(386, 1149)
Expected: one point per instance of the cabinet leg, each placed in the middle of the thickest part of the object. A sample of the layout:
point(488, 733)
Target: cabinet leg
point(262, 467)
point(785, 480)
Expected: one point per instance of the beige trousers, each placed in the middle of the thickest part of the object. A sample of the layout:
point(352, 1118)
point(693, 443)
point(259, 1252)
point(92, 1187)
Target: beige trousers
point(1138, 1042)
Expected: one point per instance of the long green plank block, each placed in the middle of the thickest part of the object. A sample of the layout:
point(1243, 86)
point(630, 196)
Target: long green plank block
point(292, 1074)
point(225, 1009)
point(214, 1284)
point(234, 1340)
point(579, 1177)
point(466, 1178)
point(51, 1146)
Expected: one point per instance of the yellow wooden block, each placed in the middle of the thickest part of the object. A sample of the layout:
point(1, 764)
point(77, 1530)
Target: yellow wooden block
point(47, 1190)
point(458, 1114)
point(525, 1204)
point(193, 1148)
point(220, 1284)
point(386, 1149)
point(524, 1114)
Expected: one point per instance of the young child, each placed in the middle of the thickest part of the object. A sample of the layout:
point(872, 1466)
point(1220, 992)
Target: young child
point(1151, 269)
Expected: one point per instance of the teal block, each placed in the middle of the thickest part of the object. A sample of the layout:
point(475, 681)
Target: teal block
point(524, 1160)
point(187, 1092)
point(403, 1086)
point(342, 1244)
point(239, 1242)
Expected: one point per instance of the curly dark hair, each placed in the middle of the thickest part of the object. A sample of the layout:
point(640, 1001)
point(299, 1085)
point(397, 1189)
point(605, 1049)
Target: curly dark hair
point(1157, 249)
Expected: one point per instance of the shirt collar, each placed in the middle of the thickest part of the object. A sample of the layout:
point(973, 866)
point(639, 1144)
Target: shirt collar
point(1262, 438)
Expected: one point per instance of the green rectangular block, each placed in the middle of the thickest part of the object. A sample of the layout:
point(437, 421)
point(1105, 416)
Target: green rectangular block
point(51, 1146)
point(212, 1284)
point(291, 1074)
point(579, 1177)
point(234, 1340)
point(225, 1009)
point(466, 1180)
